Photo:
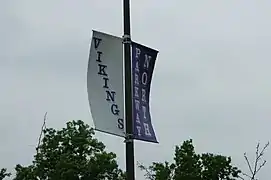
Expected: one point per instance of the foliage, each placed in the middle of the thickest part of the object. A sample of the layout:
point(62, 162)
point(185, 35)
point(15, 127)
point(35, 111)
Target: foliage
point(71, 154)
point(188, 165)
point(4, 174)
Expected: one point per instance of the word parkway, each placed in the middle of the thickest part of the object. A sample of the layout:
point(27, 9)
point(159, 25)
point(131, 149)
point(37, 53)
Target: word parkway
point(140, 100)
point(143, 62)
point(110, 94)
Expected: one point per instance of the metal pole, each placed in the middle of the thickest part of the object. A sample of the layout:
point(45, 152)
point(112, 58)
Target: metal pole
point(130, 169)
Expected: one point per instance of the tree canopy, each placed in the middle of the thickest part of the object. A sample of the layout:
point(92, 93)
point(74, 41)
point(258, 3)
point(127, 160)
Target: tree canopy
point(188, 165)
point(70, 154)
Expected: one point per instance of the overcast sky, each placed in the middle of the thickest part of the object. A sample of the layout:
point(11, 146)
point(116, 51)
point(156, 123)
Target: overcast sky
point(211, 81)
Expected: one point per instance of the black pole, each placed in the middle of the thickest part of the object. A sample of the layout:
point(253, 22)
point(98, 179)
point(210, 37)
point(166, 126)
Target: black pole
point(130, 169)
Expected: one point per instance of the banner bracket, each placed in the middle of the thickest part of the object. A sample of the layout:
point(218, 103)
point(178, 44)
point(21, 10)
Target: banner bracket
point(128, 138)
point(126, 39)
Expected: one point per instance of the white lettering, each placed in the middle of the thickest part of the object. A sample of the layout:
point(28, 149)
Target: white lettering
point(147, 61)
point(144, 111)
point(138, 118)
point(144, 78)
point(138, 51)
point(138, 130)
point(137, 104)
point(147, 129)
point(136, 92)
point(136, 79)
point(137, 66)
point(143, 94)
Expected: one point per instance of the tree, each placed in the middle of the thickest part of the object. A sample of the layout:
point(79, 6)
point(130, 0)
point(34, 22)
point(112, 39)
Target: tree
point(254, 168)
point(4, 173)
point(188, 165)
point(70, 154)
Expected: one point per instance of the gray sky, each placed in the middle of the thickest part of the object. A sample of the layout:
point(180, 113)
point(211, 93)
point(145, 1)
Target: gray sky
point(211, 82)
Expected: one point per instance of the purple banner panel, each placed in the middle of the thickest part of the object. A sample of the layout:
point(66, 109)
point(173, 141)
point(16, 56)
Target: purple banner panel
point(143, 62)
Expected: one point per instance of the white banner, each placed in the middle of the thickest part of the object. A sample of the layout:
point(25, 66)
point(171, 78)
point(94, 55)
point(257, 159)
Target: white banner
point(105, 83)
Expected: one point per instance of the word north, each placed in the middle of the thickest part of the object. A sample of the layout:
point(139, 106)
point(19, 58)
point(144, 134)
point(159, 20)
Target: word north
point(140, 82)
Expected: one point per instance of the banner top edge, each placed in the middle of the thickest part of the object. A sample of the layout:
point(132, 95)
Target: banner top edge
point(105, 33)
point(147, 47)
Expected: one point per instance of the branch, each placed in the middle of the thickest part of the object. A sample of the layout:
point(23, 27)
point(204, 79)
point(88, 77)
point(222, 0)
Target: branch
point(248, 163)
point(41, 132)
point(244, 174)
point(257, 164)
point(148, 173)
point(258, 157)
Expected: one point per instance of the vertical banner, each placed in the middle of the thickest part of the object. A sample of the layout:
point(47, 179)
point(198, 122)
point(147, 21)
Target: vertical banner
point(143, 62)
point(105, 83)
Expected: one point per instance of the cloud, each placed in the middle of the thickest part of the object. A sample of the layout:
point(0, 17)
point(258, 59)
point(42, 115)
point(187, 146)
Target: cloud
point(211, 80)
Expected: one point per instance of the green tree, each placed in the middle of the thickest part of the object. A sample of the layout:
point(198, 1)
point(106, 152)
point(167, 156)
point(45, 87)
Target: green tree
point(70, 154)
point(188, 165)
point(4, 173)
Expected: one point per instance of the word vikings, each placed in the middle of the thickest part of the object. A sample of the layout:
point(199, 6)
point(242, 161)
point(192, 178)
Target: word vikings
point(110, 94)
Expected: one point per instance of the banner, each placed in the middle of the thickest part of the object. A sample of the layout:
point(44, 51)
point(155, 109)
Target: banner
point(143, 61)
point(105, 83)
